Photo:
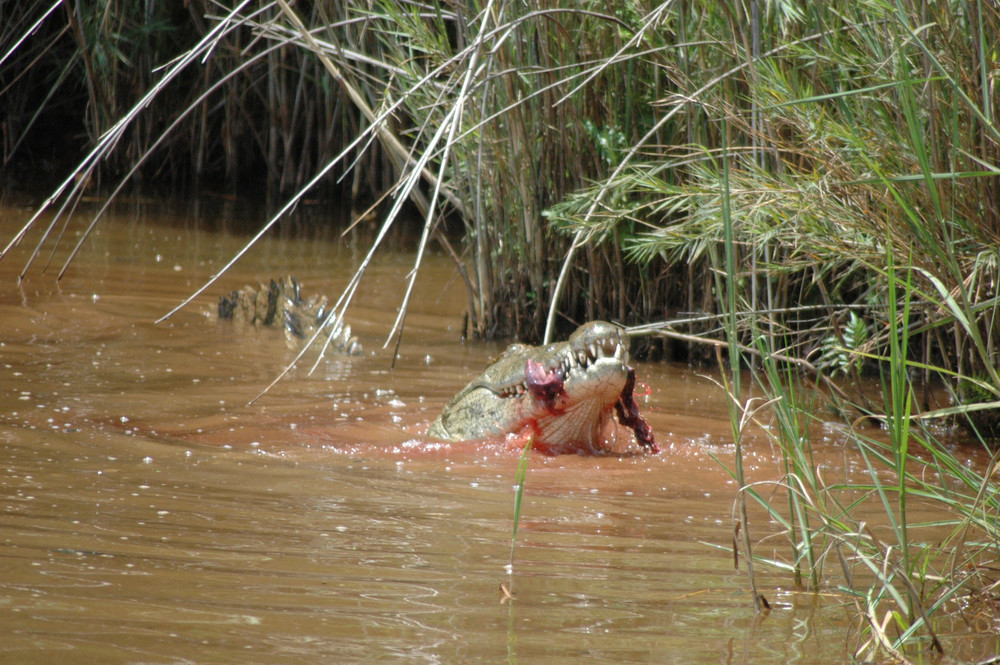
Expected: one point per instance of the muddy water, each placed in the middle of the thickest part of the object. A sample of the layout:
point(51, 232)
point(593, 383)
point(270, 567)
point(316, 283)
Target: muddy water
point(149, 514)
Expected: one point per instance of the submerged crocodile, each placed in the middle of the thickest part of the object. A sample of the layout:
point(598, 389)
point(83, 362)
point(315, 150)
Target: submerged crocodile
point(279, 303)
point(563, 394)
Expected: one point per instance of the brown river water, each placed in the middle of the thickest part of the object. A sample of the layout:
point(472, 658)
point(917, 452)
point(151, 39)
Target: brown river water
point(149, 514)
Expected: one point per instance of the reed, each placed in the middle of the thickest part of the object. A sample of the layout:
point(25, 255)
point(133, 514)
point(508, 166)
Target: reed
point(479, 95)
point(902, 576)
point(522, 474)
point(277, 121)
point(601, 154)
point(860, 249)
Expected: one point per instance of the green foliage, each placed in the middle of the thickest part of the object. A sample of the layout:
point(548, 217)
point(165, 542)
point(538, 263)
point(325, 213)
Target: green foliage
point(886, 229)
point(858, 134)
point(609, 142)
point(840, 353)
point(588, 122)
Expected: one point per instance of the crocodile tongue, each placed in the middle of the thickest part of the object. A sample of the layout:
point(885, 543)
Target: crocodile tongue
point(628, 414)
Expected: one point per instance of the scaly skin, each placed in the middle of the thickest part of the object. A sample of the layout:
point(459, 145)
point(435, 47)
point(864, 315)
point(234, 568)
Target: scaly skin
point(564, 394)
point(279, 303)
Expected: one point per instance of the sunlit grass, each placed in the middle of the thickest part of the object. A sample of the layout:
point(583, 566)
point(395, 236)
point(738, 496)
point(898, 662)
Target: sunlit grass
point(522, 474)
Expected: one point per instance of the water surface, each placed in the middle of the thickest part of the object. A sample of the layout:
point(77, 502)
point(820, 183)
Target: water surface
point(151, 515)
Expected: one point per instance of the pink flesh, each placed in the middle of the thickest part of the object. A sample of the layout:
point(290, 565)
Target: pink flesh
point(543, 384)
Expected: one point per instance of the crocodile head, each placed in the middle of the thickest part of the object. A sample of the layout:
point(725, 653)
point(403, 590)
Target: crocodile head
point(564, 394)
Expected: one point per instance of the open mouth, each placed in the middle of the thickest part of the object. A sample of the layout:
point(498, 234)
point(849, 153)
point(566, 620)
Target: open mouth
point(545, 379)
point(606, 347)
point(575, 395)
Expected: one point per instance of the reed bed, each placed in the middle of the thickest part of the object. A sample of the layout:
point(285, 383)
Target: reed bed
point(814, 188)
point(72, 71)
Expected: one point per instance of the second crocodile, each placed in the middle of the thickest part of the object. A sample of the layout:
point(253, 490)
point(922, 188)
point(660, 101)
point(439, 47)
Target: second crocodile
point(280, 303)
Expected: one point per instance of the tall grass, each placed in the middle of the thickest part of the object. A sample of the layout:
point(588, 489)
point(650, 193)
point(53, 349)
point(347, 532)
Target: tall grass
point(465, 107)
point(900, 584)
point(853, 225)
point(529, 131)
point(74, 70)
point(900, 574)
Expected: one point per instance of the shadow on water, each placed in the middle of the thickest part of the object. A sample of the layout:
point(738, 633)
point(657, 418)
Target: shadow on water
point(150, 514)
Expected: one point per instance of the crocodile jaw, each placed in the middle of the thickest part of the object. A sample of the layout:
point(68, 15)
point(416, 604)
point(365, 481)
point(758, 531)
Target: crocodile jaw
point(574, 418)
point(579, 418)
point(563, 395)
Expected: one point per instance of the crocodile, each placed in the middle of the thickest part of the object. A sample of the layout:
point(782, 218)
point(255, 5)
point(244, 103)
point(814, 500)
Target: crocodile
point(562, 395)
point(280, 303)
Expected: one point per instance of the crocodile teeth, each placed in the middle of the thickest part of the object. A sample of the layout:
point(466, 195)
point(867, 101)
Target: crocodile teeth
point(593, 351)
point(618, 351)
point(512, 391)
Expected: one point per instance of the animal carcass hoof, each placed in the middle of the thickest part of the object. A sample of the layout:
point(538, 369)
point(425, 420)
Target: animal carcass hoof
point(628, 415)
